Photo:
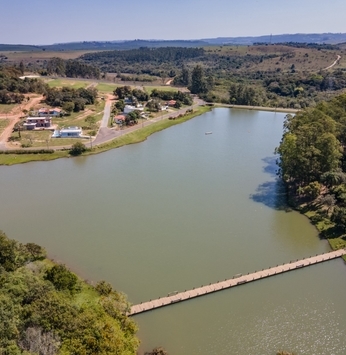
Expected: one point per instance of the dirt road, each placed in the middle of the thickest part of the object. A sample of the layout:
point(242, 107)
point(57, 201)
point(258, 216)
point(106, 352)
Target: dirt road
point(14, 117)
point(335, 62)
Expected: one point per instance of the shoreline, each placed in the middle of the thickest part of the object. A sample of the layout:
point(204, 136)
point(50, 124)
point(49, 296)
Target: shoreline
point(257, 108)
point(130, 137)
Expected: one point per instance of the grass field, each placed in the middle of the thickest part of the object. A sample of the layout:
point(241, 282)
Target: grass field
point(149, 88)
point(309, 59)
point(59, 83)
point(3, 124)
point(106, 87)
point(29, 56)
point(7, 108)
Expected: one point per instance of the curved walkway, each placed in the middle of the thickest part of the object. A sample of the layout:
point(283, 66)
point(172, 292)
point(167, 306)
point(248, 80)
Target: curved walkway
point(233, 282)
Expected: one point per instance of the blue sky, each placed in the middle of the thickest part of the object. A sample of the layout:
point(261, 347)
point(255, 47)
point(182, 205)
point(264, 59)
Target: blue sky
point(52, 21)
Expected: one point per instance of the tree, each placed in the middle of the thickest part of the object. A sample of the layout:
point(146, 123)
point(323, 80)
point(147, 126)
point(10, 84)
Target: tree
point(78, 148)
point(198, 84)
point(68, 107)
point(157, 351)
point(61, 278)
point(120, 105)
point(21, 67)
point(122, 91)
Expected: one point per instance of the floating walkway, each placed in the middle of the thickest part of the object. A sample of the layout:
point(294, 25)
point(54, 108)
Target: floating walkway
point(237, 280)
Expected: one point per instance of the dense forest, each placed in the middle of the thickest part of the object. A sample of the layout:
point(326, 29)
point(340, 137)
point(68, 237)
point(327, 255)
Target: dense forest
point(45, 309)
point(71, 69)
point(12, 88)
point(312, 164)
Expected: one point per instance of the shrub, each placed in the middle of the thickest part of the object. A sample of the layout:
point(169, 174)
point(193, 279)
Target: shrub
point(78, 148)
point(62, 278)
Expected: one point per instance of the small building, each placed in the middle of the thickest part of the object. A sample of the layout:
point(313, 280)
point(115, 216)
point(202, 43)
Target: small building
point(171, 103)
point(119, 119)
point(37, 122)
point(69, 132)
point(44, 112)
point(55, 112)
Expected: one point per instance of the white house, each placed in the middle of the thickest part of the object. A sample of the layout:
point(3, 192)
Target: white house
point(69, 132)
point(129, 108)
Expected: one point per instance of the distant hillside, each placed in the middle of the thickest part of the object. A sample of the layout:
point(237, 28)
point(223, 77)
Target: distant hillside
point(319, 38)
point(330, 38)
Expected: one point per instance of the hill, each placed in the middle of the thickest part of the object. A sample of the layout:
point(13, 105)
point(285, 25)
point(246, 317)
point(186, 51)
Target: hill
point(320, 38)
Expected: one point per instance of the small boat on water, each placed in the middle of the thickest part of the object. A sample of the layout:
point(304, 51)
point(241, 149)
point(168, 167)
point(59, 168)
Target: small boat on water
point(208, 132)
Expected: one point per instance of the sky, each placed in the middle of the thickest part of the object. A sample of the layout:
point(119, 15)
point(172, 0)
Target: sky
point(58, 21)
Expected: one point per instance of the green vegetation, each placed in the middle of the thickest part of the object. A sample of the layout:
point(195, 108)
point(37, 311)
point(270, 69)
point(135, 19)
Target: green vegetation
point(59, 83)
point(71, 69)
point(6, 108)
point(287, 76)
point(78, 148)
point(47, 309)
point(12, 88)
point(3, 124)
point(13, 158)
point(106, 88)
point(312, 164)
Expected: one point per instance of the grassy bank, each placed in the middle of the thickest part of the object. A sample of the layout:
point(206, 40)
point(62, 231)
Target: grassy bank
point(141, 134)
point(130, 138)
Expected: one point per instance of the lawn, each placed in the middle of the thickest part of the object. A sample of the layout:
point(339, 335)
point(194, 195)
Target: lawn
point(106, 88)
point(7, 108)
point(58, 83)
point(149, 88)
point(88, 120)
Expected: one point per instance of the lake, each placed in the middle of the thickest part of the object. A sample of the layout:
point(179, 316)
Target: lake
point(181, 210)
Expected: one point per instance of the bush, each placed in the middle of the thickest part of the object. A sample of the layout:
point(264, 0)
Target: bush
point(62, 278)
point(78, 148)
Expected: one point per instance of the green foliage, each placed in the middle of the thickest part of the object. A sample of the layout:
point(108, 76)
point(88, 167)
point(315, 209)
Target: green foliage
point(312, 190)
point(66, 96)
point(157, 351)
point(198, 81)
point(38, 316)
point(240, 94)
point(309, 147)
point(72, 69)
point(14, 255)
point(12, 88)
point(103, 288)
point(62, 278)
point(78, 148)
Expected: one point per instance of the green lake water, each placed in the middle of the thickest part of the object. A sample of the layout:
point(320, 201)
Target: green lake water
point(181, 210)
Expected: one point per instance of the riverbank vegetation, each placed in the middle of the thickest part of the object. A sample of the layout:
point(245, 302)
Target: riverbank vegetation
point(47, 309)
point(312, 163)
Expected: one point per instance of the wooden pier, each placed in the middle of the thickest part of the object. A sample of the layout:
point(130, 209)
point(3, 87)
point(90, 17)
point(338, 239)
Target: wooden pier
point(237, 280)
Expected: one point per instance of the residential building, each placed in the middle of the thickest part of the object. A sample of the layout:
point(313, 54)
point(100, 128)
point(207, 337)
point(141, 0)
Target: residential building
point(37, 122)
